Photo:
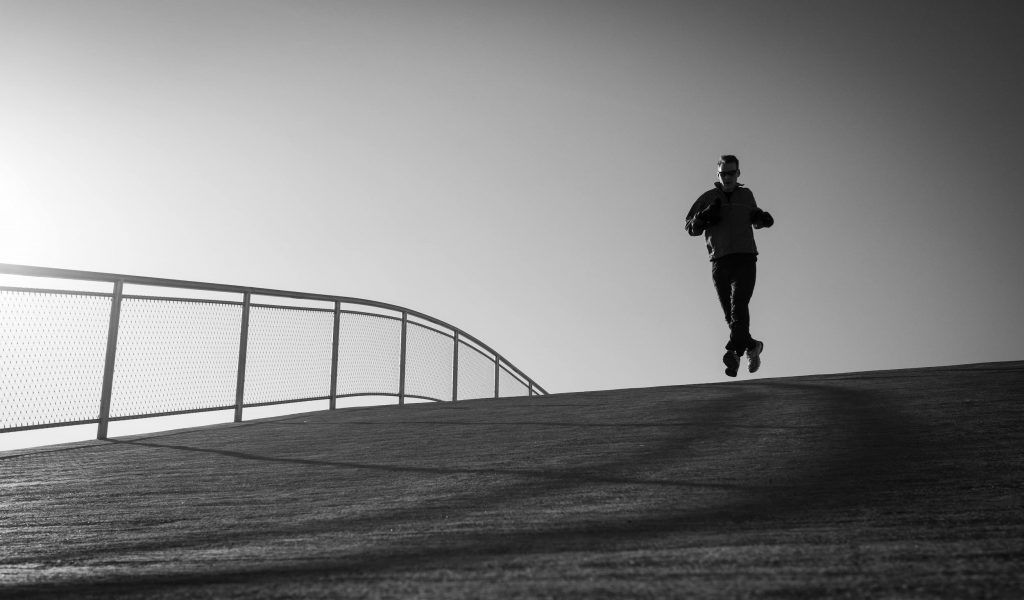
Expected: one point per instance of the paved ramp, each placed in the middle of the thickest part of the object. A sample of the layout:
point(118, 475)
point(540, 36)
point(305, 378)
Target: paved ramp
point(899, 484)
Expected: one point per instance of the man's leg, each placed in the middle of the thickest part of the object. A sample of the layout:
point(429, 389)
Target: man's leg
point(722, 273)
point(744, 278)
point(725, 273)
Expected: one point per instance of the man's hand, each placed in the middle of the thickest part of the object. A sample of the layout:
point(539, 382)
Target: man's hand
point(761, 218)
point(711, 215)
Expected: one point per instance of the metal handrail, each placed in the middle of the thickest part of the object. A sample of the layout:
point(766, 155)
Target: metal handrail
point(10, 269)
point(119, 280)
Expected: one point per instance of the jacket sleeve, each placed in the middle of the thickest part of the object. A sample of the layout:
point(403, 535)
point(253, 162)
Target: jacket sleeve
point(694, 225)
point(760, 218)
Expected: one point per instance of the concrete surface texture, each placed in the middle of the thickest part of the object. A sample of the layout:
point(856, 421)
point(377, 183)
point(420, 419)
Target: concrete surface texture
point(886, 484)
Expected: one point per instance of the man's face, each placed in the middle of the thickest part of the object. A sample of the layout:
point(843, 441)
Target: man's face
point(727, 174)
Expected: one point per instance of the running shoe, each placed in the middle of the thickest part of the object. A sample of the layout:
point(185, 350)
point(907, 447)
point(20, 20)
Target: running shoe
point(754, 357)
point(732, 363)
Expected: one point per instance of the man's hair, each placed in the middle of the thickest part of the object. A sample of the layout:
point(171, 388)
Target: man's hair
point(728, 158)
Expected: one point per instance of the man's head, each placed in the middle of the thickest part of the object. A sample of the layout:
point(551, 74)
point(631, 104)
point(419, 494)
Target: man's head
point(728, 171)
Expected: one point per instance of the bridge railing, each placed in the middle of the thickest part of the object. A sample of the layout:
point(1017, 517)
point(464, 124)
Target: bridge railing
point(151, 347)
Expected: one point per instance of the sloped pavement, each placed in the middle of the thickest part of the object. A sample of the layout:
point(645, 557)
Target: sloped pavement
point(895, 483)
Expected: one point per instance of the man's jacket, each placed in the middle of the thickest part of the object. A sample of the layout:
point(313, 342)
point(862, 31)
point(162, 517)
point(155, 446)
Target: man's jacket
point(739, 216)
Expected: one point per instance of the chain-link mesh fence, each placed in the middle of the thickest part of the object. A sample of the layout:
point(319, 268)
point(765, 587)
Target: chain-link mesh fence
point(430, 357)
point(52, 350)
point(369, 354)
point(476, 373)
point(510, 385)
point(289, 354)
point(175, 355)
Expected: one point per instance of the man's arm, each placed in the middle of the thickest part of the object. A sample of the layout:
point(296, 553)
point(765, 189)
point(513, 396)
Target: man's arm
point(760, 218)
point(702, 216)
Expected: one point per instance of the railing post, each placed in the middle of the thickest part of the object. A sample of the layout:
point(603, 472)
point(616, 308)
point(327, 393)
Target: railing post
point(334, 355)
point(497, 376)
point(401, 372)
point(243, 346)
point(531, 388)
point(455, 370)
point(108, 367)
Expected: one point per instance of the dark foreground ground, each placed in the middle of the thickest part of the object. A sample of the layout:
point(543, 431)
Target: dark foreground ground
point(900, 484)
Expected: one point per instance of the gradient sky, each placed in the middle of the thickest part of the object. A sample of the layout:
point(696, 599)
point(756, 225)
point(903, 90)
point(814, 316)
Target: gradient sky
point(521, 169)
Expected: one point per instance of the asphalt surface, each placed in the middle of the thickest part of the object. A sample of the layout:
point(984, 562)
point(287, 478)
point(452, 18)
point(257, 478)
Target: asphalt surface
point(900, 484)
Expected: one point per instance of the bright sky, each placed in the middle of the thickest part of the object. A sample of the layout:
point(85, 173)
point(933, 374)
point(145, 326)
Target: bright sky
point(521, 169)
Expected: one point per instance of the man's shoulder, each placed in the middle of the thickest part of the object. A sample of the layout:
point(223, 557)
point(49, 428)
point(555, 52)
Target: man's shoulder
point(703, 199)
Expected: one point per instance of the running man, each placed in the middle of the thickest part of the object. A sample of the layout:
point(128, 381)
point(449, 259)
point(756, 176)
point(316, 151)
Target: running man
point(727, 216)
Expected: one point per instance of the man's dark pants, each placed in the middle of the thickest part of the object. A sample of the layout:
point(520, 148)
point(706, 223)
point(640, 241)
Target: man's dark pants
point(734, 276)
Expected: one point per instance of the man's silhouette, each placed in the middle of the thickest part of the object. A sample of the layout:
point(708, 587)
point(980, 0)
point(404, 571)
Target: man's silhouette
point(727, 215)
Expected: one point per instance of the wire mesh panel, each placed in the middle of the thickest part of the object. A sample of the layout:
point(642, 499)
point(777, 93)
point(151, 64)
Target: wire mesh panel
point(510, 385)
point(175, 356)
point(369, 354)
point(52, 352)
point(476, 373)
point(429, 363)
point(289, 354)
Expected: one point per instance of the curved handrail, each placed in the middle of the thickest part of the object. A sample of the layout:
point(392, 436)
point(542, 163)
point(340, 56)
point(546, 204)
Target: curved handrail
point(10, 269)
point(119, 280)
